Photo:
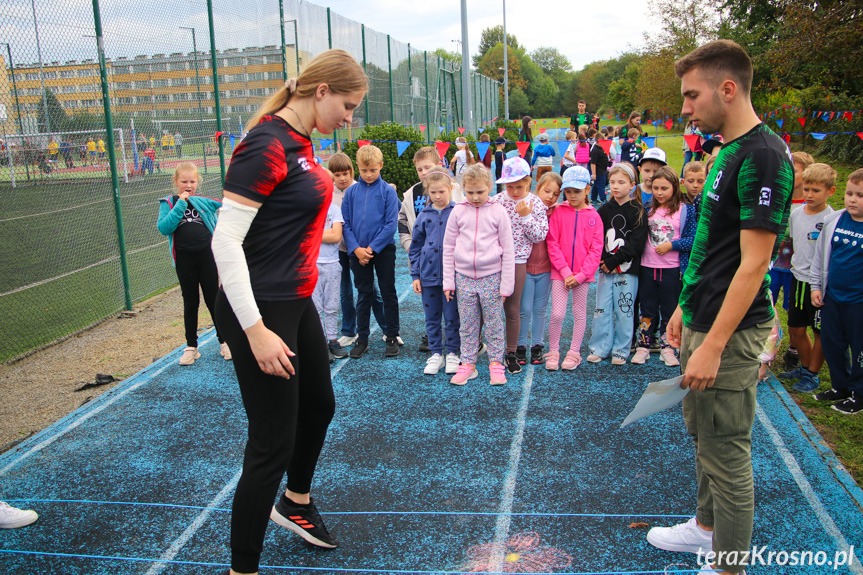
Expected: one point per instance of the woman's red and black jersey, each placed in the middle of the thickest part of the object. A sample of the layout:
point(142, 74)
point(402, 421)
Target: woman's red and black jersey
point(275, 165)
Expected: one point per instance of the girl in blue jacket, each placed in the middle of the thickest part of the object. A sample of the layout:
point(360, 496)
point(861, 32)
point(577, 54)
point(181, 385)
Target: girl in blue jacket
point(189, 220)
point(426, 258)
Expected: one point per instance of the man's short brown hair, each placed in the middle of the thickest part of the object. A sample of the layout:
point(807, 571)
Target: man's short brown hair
point(717, 61)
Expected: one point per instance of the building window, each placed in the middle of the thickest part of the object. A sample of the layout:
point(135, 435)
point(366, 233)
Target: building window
point(160, 83)
point(161, 67)
point(145, 85)
point(256, 76)
point(178, 81)
point(119, 69)
point(177, 66)
point(255, 60)
point(141, 68)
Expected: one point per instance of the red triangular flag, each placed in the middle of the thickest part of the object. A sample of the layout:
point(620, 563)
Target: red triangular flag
point(542, 130)
point(605, 145)
point(461, 130)
point(848, 116)
point(501, 131)
point(787, 138)
point(691, 140)
point(442, 148)
point(522, 148)
point(860, 134)
point(802, 121)
point(218, 135)
point(669, 124)
point(422, 128)
point(362, 143)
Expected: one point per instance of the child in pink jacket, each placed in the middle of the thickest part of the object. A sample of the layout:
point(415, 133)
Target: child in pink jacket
point(575, 239)
point(479, 266)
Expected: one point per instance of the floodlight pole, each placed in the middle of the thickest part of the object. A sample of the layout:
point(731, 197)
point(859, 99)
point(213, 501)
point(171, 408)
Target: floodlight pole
point(198, 84)
point(17, 108)
point(505, 69)
point(465, 71)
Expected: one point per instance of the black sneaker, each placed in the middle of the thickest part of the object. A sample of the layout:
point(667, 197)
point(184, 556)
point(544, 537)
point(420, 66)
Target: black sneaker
point(303, 520)
point(392, 346)
point(512, 364)
point(424, 343)
point(536, 355)
point(850, 406)
point(336, 350)
point(359, 349)
point(792, 360)
point(332, 357)
point(833, 395)
point(521, 355)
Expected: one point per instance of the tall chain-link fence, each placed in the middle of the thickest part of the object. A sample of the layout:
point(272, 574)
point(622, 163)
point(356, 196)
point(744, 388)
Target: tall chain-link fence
point(78, 240)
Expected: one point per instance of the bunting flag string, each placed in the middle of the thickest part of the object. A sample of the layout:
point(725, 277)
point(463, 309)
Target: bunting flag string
point(326, 143)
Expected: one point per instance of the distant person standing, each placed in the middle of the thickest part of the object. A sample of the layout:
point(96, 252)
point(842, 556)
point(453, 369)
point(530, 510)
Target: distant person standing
point(526, 135)
point(724, 314)
point(178, 144)
point(582, 118)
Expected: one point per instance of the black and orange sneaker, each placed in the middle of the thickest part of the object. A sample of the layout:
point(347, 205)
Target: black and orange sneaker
point(303, 520)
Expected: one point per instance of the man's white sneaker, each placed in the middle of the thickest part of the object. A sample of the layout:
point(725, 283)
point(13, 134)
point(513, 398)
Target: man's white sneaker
point(433, 364)
point(452, 361)
point(12, 517)
point(190, 354)
point(687, 537)
point(348, 340)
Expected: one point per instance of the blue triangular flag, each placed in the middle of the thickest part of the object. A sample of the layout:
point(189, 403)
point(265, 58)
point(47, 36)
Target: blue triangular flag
point(232, 141)
point(441, 129)
point(562, 147)
point(780, 122)
point(817, 135)
point(655, 123)
point(482, 148)
point(326, 143)
point(402, 146)
point(650, 142)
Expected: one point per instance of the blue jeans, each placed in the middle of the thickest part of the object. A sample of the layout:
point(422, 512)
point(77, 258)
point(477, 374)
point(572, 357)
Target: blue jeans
point(437, 308)
point(613, 319)
point(382, 266)
point(534, 300)
point(597, 192)
point(349, 312)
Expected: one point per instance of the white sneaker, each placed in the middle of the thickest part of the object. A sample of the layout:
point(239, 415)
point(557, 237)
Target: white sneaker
point(348, 340)
point(190, 354)
point(452, 361)
point(12, 517)
point(433, 364)
point(667, 355)
point(225, 351)
point(641, 355)
point(398, 339)
point(687, 537)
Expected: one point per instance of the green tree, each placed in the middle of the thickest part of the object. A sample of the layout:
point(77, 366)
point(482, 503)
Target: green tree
point(622, 91)
point(491, 37)
point(657, 87)
point(519, 105)
point(56, 113)
point(554, 64)
point(683, 25)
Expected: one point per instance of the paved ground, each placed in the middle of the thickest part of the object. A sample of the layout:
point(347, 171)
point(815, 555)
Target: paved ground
point(418, 476)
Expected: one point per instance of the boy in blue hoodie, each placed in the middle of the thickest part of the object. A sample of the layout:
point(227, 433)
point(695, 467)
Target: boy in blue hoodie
point(426, 259)
point(371, 209)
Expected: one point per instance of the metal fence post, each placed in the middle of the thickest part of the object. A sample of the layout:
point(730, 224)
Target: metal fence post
point(329, 29)
point(368, 95)
point(428, 109)
point(282, 28)
point(216, 89)
point(112, 156)
point(410, 84)
point(390, 66)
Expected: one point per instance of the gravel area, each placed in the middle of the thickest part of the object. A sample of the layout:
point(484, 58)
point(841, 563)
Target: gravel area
point(40, 389)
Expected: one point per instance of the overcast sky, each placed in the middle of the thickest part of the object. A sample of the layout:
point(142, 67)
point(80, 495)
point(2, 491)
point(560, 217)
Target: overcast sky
point(584, 32)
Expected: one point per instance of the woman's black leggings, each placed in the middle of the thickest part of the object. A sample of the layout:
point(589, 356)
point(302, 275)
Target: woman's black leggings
point(193, 269)
point(288, 418)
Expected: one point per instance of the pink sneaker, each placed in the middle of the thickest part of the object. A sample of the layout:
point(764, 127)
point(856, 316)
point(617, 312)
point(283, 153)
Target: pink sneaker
point(571, 361)
point(667, 355)
point(497, 373)
point(641, 355)
point(552, 361)
point(463, 374)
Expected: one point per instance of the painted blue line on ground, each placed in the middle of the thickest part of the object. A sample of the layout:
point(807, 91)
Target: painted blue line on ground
point(79, 416)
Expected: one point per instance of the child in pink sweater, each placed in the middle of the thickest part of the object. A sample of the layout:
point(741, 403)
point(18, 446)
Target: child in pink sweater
point(479, 267)
point(575, 239)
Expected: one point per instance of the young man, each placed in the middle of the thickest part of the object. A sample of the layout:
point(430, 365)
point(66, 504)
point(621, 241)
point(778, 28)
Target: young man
point(582, 118)
point(725, 316)
point(804, 227)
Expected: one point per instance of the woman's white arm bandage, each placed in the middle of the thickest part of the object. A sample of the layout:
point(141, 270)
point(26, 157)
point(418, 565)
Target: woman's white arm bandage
point(231, 229)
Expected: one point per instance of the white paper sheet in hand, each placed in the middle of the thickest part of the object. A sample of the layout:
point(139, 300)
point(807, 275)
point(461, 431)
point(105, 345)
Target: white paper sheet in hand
point(659, 396)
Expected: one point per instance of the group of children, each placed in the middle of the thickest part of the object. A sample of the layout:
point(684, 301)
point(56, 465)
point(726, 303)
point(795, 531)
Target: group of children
point(486, 265)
